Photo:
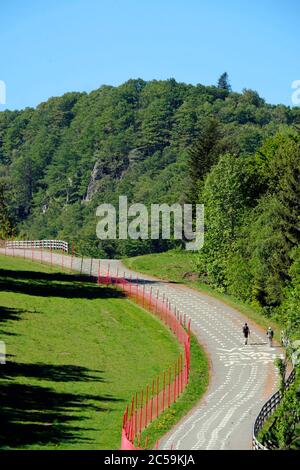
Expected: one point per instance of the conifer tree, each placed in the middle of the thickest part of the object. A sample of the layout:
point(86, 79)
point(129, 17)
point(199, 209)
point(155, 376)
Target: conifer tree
point(201, 157)
point(6, 228)
point(223, 82)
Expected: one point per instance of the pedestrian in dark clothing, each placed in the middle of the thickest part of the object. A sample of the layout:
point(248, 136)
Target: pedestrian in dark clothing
point(270, 335)
point(246, 332)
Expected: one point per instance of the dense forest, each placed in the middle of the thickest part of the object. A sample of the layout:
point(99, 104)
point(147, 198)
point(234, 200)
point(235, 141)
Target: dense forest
point(163, 141)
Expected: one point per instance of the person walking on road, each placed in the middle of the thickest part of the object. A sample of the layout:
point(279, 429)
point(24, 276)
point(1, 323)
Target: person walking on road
point(270, 334)
point(246, 332)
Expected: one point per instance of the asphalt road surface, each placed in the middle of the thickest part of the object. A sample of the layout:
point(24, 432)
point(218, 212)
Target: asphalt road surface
point(241, 377)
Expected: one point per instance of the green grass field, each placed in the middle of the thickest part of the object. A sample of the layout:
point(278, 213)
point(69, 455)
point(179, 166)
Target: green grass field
point(170, 265)
point(179, 266)
point(76, 353)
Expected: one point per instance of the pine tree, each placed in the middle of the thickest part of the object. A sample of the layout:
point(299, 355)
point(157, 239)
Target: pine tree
point(286, 169)
point(201, 157)
point(223, 82)
point(6, 228)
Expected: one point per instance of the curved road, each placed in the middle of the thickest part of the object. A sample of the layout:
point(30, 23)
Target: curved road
point(241, 377)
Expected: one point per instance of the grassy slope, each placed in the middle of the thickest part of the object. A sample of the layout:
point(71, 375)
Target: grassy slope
point(172, 266)
point(76, 353)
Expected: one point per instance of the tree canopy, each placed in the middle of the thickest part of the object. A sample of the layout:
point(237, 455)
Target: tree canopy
point(156, 142)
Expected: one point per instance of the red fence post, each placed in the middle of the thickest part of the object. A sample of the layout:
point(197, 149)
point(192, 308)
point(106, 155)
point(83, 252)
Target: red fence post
point(175, 373)
point(135, 423)
point(125, 417)
point(169, 388)
point(164, 391)
point(186, 362)
point(131, 419)
point(163, 304)
point(141, 410)
point(150, 298)
point(151, 410)
point(182, 369)
point(178, 377)
point(147, 394)
point(157, 395)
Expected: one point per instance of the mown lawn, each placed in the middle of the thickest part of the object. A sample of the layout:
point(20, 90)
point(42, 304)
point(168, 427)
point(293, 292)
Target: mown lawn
point(171, 265)
point(75, 354)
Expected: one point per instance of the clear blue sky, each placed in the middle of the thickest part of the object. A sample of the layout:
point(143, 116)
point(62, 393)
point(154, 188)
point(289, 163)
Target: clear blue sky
point(49, 47)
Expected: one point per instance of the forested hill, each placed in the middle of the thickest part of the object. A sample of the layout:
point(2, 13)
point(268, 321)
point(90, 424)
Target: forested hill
point(60, 160)
point(162, 141)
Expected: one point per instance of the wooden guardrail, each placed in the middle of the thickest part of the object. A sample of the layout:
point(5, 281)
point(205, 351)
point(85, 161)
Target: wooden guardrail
point(32, 244)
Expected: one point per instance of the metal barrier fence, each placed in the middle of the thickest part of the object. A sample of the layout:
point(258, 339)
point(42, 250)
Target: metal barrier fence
point(164, 390)
point(266, 411)
point(32, 244)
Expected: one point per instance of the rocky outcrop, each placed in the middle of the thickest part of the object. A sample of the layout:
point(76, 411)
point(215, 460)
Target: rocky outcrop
point(112, 167)
point(96, 175)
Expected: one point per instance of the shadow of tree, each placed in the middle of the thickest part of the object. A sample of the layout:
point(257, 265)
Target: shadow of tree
point(55, 373)
point(55, 276)
point(10, 314)
point(54, 285)
point(34, 414)
point(40, 415)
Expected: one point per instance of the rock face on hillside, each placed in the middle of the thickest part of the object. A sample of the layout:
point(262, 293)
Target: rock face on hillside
point(97, 174)
point(112, 167)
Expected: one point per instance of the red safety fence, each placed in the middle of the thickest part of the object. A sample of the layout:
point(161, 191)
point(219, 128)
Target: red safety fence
point(147, 404)
point(164, 390)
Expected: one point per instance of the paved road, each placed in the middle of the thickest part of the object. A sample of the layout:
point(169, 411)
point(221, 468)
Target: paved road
point(242, 377)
